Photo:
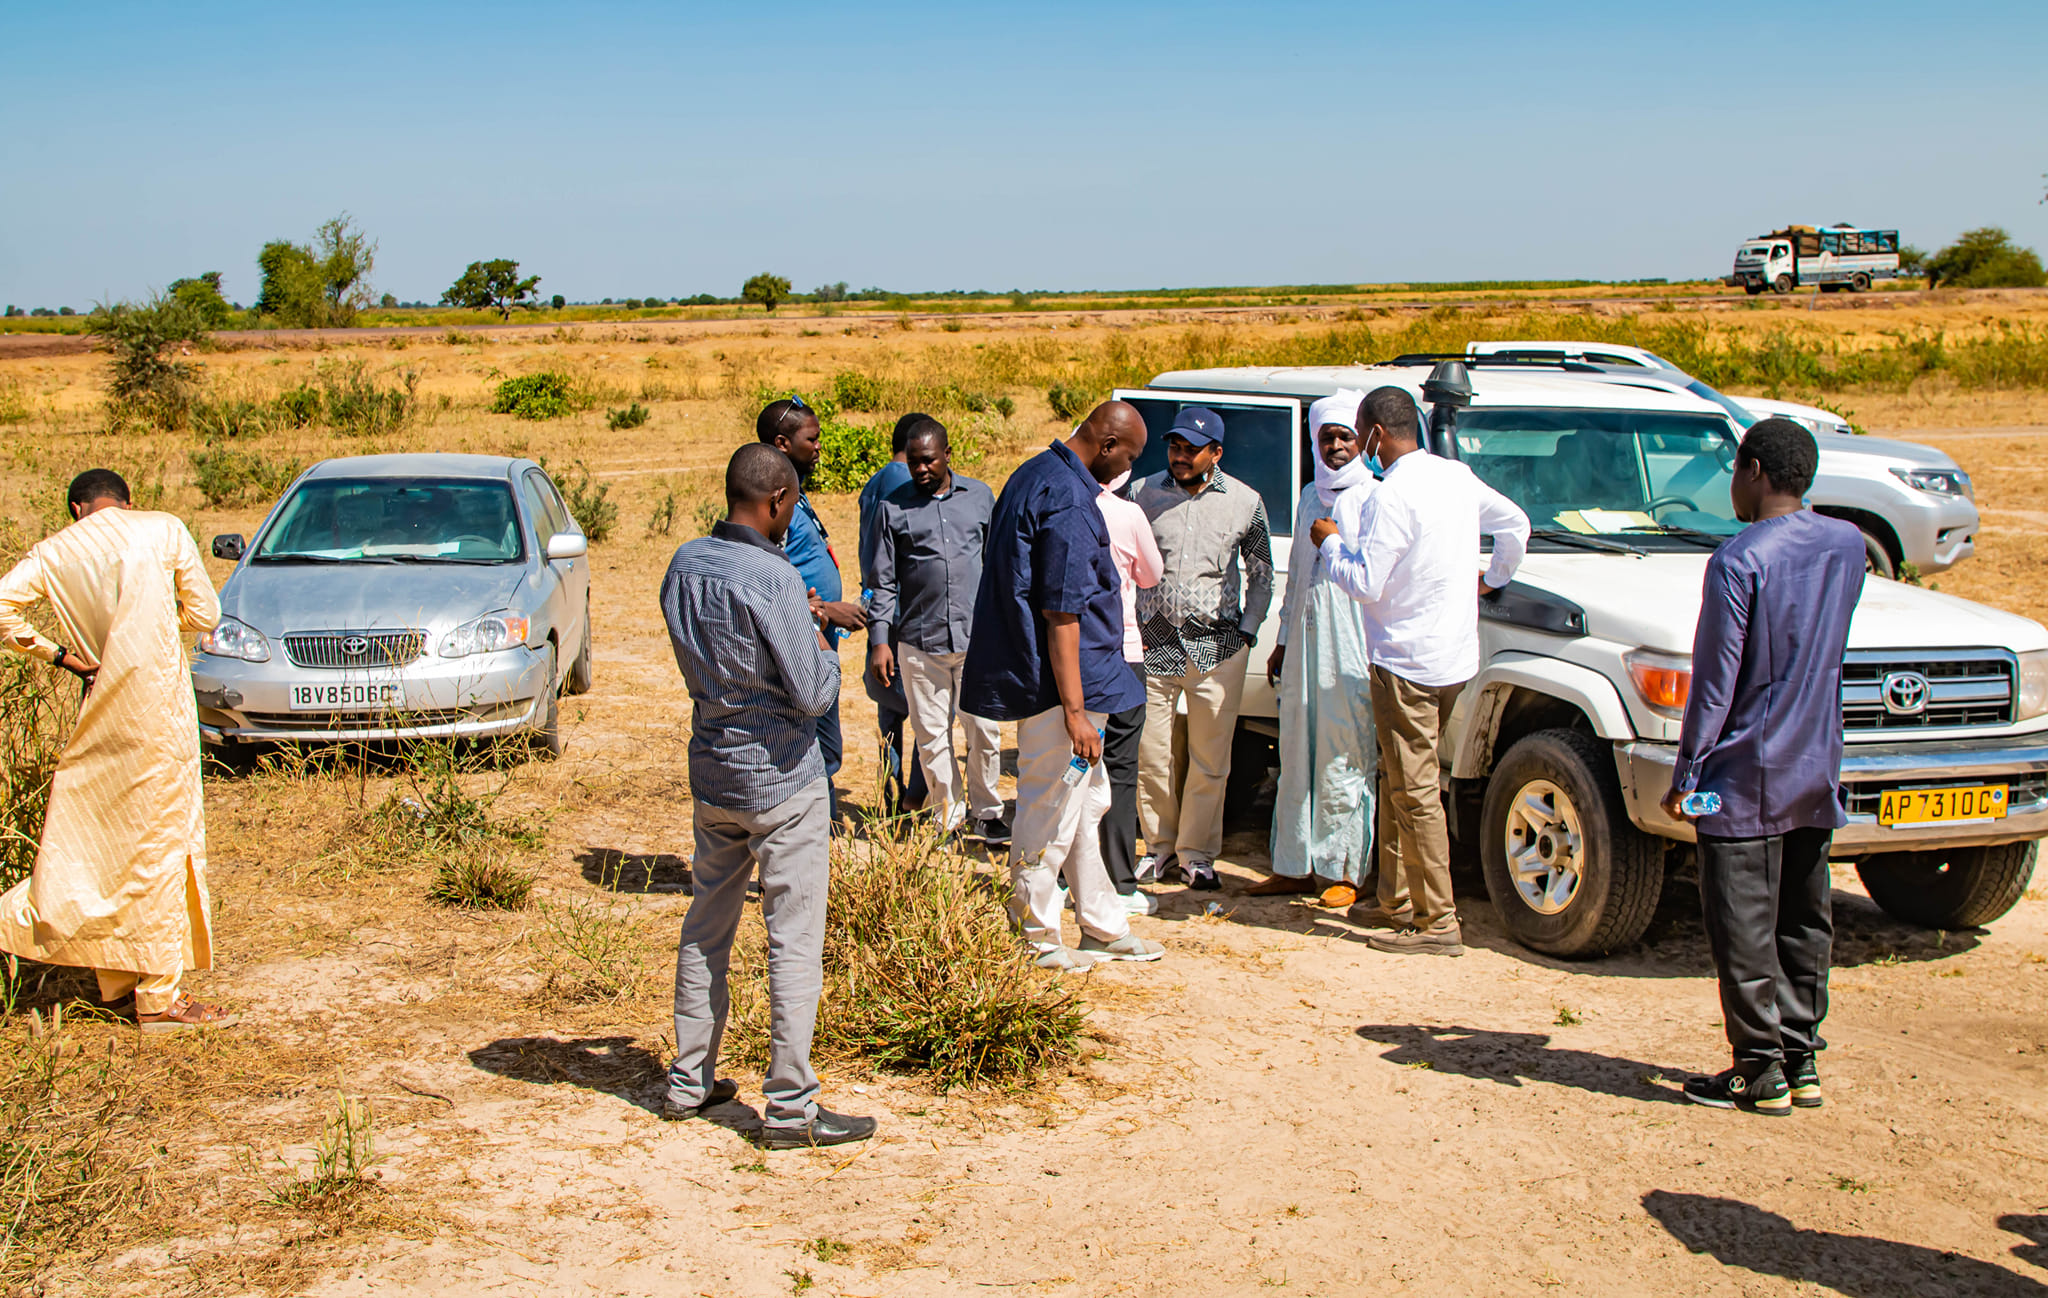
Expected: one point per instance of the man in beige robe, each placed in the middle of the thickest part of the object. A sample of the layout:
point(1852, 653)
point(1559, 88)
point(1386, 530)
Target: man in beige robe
point(119, 884)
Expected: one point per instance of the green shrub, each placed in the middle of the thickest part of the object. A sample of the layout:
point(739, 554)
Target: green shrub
point(144, 378)
point(299, 405)
point(548, 394)
point(663, 520)
point(707, 511)
point(481, 882)
point(587, 501)
point(355, 406)
point(853, 390)
point(226, 478)
point(631, 417)
point(13, 402)
point(1005, 407)
point(36, 710)
point(226, 418)
point(1985, 258)
point(848, 455)
point(1068, 404)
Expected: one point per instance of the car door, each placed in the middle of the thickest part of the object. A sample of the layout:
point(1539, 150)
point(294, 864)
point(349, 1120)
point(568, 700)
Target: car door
point(557, 602)
point(1263, 448)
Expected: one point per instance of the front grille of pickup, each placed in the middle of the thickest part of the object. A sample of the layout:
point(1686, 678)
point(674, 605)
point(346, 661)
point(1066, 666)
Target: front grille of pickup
point(1892, 694)
point(2023, 790)
point(341, 650)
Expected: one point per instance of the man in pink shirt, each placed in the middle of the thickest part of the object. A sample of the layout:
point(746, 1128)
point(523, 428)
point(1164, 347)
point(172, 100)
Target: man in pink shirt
point(1137, 557)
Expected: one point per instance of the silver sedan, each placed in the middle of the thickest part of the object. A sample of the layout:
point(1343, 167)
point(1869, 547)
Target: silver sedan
point(400, 596)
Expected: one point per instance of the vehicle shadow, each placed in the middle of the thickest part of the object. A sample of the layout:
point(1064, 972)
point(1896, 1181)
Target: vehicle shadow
point(1510, 1058)
point(1742, 1235)
point(614, 1066)
point(634, 872)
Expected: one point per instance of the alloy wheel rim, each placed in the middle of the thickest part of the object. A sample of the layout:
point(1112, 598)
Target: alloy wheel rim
point(1545, 846)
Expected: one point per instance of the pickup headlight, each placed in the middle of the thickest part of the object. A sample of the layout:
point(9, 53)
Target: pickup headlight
point(1662, 680)
point(2033, 684)
point(235, 639)
point(1942, 482)
point(485, 635)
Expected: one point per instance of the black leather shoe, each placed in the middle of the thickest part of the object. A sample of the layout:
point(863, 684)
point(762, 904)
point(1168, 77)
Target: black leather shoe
point(1763, 1092)
point(721, 1092)
point(827, 1128)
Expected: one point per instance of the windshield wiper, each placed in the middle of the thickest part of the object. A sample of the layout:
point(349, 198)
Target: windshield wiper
point(1583, 541)
point(317, 558)
point(431, 558)
point(1712, 540)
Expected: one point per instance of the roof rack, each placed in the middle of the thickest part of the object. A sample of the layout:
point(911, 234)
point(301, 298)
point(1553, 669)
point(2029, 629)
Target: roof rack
point(1499, 360)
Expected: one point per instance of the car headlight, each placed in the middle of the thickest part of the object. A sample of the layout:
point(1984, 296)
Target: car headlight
point(485, 635)
point(1662, 680)
point(2033, 684)
point(234, 638)
point(1942, 482)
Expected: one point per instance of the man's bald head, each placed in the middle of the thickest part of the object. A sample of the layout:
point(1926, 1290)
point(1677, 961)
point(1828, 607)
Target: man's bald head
point(756, 472)
point(1109, 439)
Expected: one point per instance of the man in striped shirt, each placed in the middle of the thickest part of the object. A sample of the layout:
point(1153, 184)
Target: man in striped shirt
point(760, 674)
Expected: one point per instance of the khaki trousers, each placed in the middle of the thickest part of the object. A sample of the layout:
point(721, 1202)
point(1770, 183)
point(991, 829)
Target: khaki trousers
point(931, 685)
point(1183, 817)
point(1409, 719)
point(154, 993)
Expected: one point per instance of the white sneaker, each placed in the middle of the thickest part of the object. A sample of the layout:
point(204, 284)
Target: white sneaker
point(1128, 947)
point(1151, 868)
point(1140, 903)
point(1066, 959)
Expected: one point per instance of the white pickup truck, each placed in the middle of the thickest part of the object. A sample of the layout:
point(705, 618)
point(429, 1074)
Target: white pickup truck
point(1557, 753)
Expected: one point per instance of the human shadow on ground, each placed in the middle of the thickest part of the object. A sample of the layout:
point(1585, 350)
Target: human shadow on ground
point(1511, 1057)
point(1862, 1266)
point(2034, 1228)
point(638, 872)
point(612, 1065)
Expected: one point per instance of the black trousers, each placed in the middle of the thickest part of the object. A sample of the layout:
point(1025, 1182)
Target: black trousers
point(1120, 735)
point(1771, 928)
point(897, 788)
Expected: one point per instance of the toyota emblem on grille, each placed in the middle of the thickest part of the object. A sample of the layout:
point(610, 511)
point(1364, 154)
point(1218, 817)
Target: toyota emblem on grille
point(356, 646)
point(1905, 694)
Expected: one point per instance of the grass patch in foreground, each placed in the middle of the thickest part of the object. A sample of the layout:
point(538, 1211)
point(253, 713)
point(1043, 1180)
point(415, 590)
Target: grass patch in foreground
point(923, 974)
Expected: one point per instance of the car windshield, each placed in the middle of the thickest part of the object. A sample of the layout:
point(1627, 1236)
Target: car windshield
point(334, 520)
point(1630, 474)
point(1741, 414)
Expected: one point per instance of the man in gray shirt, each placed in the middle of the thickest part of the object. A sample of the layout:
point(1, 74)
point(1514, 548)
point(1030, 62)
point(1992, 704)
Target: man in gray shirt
point(1198, 622)
point(928, 538)
point(759, 674)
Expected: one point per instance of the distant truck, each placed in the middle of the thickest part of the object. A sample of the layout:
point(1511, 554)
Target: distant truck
point(1833, 258)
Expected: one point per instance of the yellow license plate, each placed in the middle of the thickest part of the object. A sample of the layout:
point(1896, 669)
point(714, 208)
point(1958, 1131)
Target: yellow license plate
point(1939, 806)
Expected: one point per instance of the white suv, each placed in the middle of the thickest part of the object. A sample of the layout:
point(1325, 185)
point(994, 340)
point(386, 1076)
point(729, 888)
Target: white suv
point(1557, 753)
point(1913, 503)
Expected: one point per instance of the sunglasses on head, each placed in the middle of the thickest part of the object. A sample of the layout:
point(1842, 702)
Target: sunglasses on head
point(797, 407)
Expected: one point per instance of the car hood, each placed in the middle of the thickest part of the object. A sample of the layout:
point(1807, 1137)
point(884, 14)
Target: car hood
point(1882, 448)
point(276, 598)
point(1654, 601)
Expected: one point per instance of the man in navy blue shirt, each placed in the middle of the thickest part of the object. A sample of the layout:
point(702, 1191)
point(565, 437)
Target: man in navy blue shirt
point(1047, 651)
point(1763, 733)
point(792, 428)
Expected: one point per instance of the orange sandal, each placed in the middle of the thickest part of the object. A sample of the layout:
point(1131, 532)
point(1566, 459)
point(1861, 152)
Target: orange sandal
point(187, 1013)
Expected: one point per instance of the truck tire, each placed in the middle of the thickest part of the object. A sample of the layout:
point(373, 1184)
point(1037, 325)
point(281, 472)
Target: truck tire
point(1963, 887)
point(1752, 288)
point(1876, 559)
point(1782, 284)
point(1859, 283)
point(1589, 879)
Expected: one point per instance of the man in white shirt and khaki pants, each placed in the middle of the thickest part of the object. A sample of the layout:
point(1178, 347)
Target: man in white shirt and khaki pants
point(1408, 550)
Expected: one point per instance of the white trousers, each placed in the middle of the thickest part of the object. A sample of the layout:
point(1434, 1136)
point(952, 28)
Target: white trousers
point(931, 684)
point(1058, 831)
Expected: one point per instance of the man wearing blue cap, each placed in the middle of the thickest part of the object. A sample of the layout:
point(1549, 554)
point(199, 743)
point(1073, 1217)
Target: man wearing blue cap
point(1199, 622)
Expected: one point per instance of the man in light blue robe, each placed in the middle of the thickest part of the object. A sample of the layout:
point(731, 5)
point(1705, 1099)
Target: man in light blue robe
point(1329, 753)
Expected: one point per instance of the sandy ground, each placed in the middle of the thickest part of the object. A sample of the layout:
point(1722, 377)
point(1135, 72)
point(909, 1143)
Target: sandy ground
point(1273, 1106)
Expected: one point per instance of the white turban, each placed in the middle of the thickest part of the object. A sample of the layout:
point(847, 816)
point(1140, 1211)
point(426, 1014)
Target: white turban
point(1340, 407)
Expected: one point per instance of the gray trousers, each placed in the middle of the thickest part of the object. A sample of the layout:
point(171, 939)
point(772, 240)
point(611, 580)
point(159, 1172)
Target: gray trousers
point(789, 842)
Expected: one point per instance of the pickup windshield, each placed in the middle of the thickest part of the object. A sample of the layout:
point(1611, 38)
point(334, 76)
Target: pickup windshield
point(1635, 475)
point(332, 520)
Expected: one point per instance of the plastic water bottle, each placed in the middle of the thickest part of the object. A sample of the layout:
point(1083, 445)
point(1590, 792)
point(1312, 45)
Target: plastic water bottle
point(1700, 803)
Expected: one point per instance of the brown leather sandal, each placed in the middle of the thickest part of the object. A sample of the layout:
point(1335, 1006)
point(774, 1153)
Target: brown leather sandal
point(186, 1013)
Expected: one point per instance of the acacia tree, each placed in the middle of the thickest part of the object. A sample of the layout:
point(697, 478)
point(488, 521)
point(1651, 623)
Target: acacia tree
point(766, 289)
point(492, 286)
point(1985, 258)
point(202, 293)
point(325, 282)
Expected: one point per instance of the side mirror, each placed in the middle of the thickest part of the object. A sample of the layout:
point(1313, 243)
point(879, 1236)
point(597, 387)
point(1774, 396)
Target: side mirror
point(230, 546)
point(568, 545)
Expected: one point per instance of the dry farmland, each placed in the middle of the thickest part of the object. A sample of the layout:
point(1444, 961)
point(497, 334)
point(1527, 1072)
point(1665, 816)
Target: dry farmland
point(1273, 1106)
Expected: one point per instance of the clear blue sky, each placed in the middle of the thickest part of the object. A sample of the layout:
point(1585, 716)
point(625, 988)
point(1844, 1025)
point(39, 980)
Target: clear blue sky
point(626, 149)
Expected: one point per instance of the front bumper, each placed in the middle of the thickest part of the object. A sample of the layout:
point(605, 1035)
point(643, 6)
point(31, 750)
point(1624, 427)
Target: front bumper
point(474, 697)
point(1868, 769)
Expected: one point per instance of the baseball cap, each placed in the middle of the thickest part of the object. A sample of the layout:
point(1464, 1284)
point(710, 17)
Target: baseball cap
point(1199, 424)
